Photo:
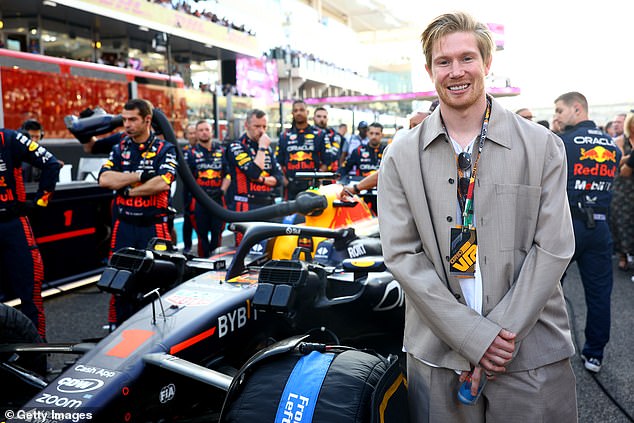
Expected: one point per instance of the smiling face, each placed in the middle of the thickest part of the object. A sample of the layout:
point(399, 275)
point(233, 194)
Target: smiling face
point(458, 70)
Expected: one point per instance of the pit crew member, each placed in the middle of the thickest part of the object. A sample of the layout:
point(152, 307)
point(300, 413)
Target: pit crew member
point(209, 167)
point(593, 159)
point(20, 261)
point(252, 165)
point(141, 168)
point(300, 149)
point(332, 138)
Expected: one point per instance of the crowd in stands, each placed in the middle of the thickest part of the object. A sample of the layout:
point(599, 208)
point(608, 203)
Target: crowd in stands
point(184, 6)
point(280, 53)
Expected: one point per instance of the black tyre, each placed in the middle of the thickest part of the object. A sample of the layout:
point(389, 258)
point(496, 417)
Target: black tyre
point(15, 328)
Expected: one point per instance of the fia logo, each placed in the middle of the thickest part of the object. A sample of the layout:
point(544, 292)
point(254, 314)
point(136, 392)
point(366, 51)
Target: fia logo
point(167, 393)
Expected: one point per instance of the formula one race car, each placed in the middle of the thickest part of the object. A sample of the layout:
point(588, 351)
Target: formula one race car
point(174, 357)
point(200, 320)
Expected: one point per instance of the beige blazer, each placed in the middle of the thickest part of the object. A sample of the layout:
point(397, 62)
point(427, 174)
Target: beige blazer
point(525, 239)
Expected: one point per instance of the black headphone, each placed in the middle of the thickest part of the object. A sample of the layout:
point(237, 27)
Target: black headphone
point(31, 125)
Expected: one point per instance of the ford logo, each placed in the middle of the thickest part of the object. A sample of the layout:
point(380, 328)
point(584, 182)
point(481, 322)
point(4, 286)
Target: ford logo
point(70, 385)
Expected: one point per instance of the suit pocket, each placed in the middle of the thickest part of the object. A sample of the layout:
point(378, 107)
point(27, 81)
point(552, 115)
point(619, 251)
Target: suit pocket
point(517, 212)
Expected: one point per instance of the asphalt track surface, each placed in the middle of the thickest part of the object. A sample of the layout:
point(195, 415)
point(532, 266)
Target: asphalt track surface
point(81, 314)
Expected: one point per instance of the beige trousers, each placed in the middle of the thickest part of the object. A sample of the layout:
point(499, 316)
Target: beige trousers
point(546, 394)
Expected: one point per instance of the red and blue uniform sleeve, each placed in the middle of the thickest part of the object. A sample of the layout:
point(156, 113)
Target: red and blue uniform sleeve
point(239, 158)
point(167, 164)
point(276, 170)
point(31, 152)
point(333, 150)
point(281, 154)
point(353, 160)
point(114, 161)
point(323, 148)
point(226, 169)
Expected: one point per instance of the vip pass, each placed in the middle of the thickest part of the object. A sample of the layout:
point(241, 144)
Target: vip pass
point(46, 416)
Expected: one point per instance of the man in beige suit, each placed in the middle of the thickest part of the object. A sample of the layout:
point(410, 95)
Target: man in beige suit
point(475, 225)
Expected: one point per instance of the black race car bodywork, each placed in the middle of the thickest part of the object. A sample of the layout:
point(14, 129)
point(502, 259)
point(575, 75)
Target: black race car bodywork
point(176, 356)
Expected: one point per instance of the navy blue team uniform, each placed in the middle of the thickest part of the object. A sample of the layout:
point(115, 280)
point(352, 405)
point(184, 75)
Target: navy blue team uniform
point(592, 165)
point(333, 141)
point(209, 168)
point(301, 150)
point(250, 192)
point(364, 161)
point(139, 218)
point(20, 261)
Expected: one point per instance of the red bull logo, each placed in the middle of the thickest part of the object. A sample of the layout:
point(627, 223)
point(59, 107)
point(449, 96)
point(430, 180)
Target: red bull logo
point(6, 197)
point(44, 199)
point(140, 202)
point(168, 178)
point(598, 154)
point(300, 156)
point(305, 242)
point(210, 174)
point(597, 170)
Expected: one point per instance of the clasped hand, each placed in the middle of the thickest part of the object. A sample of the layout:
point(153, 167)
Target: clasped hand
point(494, 360)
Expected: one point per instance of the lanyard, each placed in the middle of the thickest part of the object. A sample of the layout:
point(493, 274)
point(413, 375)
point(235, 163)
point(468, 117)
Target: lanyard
point(466, 203)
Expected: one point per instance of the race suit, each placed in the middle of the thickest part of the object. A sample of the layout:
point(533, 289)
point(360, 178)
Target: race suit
point(21, 266)
point(364, 161)
point(332, 140)
point(592, 165)
point(250, 192)
point(352, 144)
point(300, 150)
point(140, 218)
point(209, 168)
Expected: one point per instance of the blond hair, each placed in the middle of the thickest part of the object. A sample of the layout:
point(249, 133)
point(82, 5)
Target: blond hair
point(450, 23)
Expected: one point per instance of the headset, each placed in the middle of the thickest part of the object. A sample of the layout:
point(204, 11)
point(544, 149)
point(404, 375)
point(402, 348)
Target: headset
point(31, 125)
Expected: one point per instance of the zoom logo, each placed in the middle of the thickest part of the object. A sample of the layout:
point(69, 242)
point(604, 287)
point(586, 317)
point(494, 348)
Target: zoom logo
point(70, 385)
point(58, 401)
